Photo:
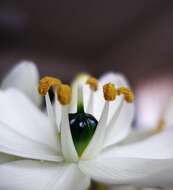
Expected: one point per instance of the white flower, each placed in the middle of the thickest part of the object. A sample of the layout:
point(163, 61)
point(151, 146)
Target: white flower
point(47, 153)
point(25, 77)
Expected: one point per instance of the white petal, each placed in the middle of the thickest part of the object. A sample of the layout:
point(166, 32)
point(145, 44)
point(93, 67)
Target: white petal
point(168, 113)
point(23, 116)
point(148, 162)
point(24, 77)
point(96, 143)
point(155, 147)
point(4, 158)
point(12, 142)
point(117, 78)
point(28, 174)
point(118, 127)
point(123, 187)
point(79, 80)
point(68, 148)
point(137, 135)
point(130, 171)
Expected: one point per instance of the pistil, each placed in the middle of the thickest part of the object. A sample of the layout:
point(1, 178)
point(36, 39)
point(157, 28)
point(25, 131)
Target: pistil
point(80, 103)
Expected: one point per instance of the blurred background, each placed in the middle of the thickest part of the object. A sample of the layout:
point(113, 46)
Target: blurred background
point(66, 37)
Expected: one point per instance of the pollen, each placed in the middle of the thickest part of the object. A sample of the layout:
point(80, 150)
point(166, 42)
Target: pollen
point(128, 94)
point(109, 91)
point(161, 126)
point(64, 94)
point(93, 83)
point(46, 83)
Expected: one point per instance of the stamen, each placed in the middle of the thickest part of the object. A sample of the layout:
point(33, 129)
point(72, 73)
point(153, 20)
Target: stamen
point(93, 82)
point(128, 94)
point(161, 126)
point(46, 83)
point(109, 91)
point(64, 94)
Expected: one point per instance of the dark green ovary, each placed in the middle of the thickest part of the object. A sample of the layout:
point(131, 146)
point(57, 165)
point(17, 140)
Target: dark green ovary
point(82, 127)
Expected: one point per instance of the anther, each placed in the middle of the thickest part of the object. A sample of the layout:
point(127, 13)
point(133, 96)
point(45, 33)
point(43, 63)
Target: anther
point(128, 94)
point(161, 126)
point(93, 83)
point(46, 83)
point(109, 91)
point(64, 94)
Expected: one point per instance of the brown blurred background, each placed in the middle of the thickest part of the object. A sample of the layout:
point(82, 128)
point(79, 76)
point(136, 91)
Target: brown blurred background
point(66, 37)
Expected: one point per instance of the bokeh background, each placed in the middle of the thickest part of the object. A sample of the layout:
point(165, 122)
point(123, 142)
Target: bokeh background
point(65, 37)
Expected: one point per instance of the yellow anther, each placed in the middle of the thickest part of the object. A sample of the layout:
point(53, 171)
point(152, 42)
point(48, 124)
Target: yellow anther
point(64, 94)
point(128, 94)
point(46, 83)
point(93, 82)
point(161, 126)
point(109, 91)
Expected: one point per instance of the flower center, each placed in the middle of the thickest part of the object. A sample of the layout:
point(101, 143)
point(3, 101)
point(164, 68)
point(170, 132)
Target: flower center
point(82, 124)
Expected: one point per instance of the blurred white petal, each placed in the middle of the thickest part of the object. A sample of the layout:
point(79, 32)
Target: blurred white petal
point(25, 77)
point(155, 147)
point(137, 135)
point(12, 142)
point(151, 95)
point(168, 113)
point(119, 129)
point(123, 187)
point(7, 158)
point(147, 163)
point(23, 116)
point(116, 78)
point(36, 175)
point(132, 171)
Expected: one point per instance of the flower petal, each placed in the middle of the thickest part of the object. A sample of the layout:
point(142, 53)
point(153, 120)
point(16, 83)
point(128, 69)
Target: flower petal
point(121, 114)
point(137, 135)
point(119, 129)
point(148, 162)
point(168, 112)
point(12, 142)
point(130, 171)
point(24, 77)
point(4, 158)
point(124, 187)
point(157, 146)
point(35, 175)
point(23, 116)
point(117, 78)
